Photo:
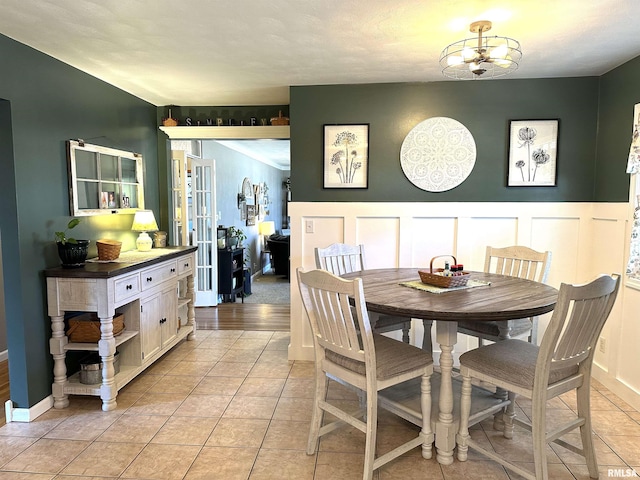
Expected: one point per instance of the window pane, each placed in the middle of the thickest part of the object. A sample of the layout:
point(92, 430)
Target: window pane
point(131, 192)
point(86, 166)
point(110, 194)
point(88, 196)
point(109, 167)
point(129, 170)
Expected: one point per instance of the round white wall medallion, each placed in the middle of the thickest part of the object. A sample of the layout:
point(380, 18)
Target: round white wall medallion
point(438, 154)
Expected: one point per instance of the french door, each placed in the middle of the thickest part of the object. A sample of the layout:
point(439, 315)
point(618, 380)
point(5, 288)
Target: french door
point(193, 221)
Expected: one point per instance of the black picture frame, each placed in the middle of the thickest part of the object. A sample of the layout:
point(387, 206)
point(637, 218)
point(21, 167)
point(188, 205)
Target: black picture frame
point(346, 156)
point(533, 153)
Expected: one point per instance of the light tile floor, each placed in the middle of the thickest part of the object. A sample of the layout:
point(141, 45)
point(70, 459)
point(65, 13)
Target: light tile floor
point(230, 406)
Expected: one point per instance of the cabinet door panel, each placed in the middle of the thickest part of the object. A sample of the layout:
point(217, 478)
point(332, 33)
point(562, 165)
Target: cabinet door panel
point(150, 332)
point(169, 315)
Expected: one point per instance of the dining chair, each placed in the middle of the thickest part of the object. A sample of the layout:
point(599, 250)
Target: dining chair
point(340, 258)
point(560, 364)
point(515, 261)
point(347, 350)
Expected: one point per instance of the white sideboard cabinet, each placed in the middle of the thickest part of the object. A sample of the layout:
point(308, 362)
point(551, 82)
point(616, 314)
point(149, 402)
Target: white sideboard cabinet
point(155, 293)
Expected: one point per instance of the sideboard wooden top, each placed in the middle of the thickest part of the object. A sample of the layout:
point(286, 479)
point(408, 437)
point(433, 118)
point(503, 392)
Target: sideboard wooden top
point(127, 262)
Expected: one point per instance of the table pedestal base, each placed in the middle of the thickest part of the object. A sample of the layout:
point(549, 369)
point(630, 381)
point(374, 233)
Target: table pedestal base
point(404, 401)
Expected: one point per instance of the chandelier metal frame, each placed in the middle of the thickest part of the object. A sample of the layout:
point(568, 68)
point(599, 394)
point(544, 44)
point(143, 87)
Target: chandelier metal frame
point(480, 57)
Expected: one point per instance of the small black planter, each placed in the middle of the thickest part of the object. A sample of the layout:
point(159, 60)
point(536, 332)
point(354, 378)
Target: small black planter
point(73, 255)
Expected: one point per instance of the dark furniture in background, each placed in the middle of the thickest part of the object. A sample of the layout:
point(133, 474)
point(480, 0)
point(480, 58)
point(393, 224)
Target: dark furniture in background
point(279, 247)
point(231, 274)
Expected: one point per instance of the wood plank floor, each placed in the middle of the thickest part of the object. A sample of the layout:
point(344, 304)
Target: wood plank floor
point(238, 316)
point(4, 387)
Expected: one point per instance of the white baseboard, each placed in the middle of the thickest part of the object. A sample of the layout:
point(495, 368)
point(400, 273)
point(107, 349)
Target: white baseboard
point(27, 414)
point(4, 355)
point(624, 391)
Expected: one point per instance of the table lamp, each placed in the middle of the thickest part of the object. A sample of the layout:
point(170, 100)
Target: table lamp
point(266, 229)
point(143, 222)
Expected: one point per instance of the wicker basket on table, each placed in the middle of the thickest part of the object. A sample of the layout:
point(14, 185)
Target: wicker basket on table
point(108, 249)
point(437, 279)
point(85, 328)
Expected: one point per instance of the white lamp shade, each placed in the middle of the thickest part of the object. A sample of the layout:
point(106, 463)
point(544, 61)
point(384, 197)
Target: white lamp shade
point(144, 221)
point(267, 228)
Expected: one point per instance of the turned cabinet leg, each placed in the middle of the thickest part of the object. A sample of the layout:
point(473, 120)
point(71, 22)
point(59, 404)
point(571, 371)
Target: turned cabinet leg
point(107, 349)
point(56, 347)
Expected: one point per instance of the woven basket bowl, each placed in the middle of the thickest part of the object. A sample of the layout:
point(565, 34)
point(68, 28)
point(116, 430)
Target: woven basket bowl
point(108, 249)
point(434, 276)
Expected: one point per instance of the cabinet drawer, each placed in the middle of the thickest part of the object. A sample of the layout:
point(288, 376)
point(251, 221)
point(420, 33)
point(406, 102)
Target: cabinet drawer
point(126, 287)
point(185, 265)
point(151, 277)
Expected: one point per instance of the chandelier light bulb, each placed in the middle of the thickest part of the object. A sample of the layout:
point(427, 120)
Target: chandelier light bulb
point(500, 52)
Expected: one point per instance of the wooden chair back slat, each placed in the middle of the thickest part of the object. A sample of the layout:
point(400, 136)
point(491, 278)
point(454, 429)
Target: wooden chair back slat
point(340, 258)
point(518, 261)
point(578, 319)
point(335, 324)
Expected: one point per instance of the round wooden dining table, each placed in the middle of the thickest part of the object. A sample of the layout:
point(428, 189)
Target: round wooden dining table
point(500, 298)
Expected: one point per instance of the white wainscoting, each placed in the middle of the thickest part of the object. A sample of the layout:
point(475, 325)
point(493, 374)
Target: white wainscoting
point(585, 239)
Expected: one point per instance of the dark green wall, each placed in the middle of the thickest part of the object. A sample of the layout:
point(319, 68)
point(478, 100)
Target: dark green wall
point(619, 92)
point(46, 102)
point(485, 108)
point(8, 218)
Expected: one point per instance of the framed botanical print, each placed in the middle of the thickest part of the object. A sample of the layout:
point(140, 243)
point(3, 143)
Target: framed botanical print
point(533, 153)
point(346, 156)
point(251, 215)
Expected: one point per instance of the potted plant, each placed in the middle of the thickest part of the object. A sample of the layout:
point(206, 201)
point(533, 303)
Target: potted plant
point(72, 252)
point(236, 237)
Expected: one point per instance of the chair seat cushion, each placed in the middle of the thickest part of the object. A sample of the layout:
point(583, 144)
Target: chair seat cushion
point(513, 361)
point(392, 358)
point(518, 327)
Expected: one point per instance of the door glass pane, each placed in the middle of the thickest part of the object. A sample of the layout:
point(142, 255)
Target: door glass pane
point(108, 167)
point(86, 166)
point(207, 178)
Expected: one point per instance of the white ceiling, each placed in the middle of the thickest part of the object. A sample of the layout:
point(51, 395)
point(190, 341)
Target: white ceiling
point(272, 152)
point(248, 52)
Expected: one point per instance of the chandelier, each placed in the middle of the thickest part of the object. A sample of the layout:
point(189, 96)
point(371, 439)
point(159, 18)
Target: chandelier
point(481, 57)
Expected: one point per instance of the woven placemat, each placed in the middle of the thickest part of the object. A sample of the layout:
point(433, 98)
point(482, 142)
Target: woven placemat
point(418, 285)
